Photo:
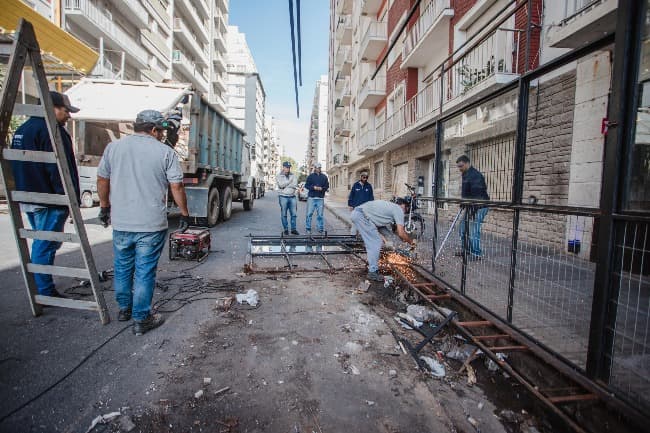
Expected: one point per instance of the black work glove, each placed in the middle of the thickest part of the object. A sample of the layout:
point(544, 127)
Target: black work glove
point(183, 223)
point(105, 216)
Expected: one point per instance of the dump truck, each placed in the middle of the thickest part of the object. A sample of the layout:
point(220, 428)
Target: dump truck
point(214, 153)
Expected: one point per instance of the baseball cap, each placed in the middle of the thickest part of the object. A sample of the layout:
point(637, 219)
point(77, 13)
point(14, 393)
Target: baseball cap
point(286, 164)
point(317, 165)
point(364, 173)
point(62, 100)
point(149, 117)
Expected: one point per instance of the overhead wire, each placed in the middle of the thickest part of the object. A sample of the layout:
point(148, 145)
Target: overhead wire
point(299, 37)
point(293, 54)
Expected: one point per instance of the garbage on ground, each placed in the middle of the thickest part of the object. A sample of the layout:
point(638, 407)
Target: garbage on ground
point(462, 353)
point(364, 286)
point(250, 297)
point(126, 424)
point(508, 416)
point(410, 319)
point(420, 313)
point(103, 419)
point(223, 304)
point(472, 421)
point(435, 367)
point(388, 280)
point(446, 311)
point(207, 380)
point(493, 366)
point(222, 390)
point(392, 373)
point(354, 370)
point(480, 406)
point(198, 394)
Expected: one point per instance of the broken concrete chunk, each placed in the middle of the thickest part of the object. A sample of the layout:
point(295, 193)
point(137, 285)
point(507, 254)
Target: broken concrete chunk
point(198, 394)
point(392, 373)
point(103, 419)
point(207, 380)
point(354, 370)
point(126, 424)
point(363, 286)
point(420, 313)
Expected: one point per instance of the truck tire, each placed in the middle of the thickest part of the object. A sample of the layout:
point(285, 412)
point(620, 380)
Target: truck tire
point(248, 204)
point(214, 207)
point(87, 199)
point(226, 203)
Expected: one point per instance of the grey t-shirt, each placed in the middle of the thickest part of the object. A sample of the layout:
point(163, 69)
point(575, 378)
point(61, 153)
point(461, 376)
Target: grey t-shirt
point(140, 169)
point(382, 213)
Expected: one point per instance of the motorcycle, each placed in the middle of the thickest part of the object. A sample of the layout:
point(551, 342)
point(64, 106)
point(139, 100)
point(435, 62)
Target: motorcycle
point(413, 222)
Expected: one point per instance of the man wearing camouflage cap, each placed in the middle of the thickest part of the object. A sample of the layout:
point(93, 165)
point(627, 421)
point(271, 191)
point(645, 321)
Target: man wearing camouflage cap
point(133, 178)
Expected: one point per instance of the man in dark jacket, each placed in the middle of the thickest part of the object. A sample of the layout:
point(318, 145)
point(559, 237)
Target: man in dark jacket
point(44, 178)
point(361, 192)
point(317, 185)
point(473, 188)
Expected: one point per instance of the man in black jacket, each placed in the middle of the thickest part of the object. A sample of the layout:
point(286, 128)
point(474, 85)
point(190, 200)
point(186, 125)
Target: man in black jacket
point(44, 178)
point(473, 188)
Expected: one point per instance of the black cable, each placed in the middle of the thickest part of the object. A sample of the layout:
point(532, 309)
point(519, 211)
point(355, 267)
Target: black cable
point(299, 34)
point(293, 54)
point(68, 374)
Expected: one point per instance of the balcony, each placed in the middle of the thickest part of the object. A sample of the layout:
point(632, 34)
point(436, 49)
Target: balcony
point(367, 142)
point(340, 55)
point(219, 81)
point(491, 64)
point(370, 7)
point(344, 30)
point(134, 12)
point(339, 82)
point(204, 9)
point(336, 159)
point(189, 39)
point(372, 91)
point(346, 94)
point(343, 7)
point(346, 67)
point(220, 22)
point(373, 41)
point(339, 109)
point(96, 22)
point(430, 34)
point(219, 62)
point(220, 41)
point(198, 25)
point(158, 11)
point(342, 128)
point(584, 21)
point(223, 5)
point(190, 70)
point(217, 101)
point(155, 44)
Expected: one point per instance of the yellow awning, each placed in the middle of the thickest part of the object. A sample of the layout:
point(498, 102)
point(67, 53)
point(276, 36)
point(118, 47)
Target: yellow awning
point(61, 50)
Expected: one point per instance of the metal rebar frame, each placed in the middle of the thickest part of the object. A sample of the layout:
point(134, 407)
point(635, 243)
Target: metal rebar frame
point(492, 335)
point(320, 246)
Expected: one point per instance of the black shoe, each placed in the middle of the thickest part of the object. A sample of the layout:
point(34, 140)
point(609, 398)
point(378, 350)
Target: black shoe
point(294, 232)
point(124, 315)
point(375, 276)
point(151, 322)
point(55, 294)
point(286, 232)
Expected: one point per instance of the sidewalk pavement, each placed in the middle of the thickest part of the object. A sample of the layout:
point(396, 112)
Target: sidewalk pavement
point(339, 207)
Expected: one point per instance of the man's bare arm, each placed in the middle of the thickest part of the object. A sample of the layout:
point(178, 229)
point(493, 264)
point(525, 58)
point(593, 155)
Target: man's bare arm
point(104, 190)
point(178, 192)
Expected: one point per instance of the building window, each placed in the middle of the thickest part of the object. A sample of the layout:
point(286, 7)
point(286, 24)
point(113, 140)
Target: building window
point(379, 175)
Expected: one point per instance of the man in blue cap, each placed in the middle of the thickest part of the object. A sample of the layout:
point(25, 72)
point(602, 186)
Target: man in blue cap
point(287, 186)
point(133, 178)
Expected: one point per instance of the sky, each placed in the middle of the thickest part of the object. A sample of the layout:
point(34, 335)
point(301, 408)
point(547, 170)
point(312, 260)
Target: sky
point(267, 29)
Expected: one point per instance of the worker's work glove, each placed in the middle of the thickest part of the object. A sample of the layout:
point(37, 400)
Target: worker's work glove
point(105, 216)
point(183, 223)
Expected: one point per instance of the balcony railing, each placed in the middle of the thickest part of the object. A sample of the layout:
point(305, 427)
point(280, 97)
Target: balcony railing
point(190, 38)
point(372, 91)
point(134, 11)
point(344, 29)
point(495, 59)
point(367, 141)
point(191, 69)
point(336, 159)
point(427, 19)
point(105, 23)
point(573, 8)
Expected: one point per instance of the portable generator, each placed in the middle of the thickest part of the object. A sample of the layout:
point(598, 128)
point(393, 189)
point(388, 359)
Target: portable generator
point(193, 244)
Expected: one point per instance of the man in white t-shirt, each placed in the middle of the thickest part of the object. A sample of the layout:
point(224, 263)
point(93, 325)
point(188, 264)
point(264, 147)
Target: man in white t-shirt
point(133, 178)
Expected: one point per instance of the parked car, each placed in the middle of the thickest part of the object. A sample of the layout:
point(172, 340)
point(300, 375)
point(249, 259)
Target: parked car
point(302, 192)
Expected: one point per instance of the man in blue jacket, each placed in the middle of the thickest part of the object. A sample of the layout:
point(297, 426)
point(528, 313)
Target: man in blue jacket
point(473, 188)
point(317, 185)
point(44, 178)
point(361, 192)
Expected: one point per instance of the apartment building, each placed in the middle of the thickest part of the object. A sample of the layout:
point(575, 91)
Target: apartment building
point(150, 40)
point(317, 147)
point(272, 152)
point(246, 103)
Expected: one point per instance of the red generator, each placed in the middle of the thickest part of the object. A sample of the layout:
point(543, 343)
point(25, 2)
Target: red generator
point(193, 244)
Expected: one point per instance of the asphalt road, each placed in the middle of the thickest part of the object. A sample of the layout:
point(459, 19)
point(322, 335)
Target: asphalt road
point(314, 356)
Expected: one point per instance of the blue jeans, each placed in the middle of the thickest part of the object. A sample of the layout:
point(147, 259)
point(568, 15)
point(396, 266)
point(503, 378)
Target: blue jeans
point(288, 203)
point(43, 252)
point(318, 205)
point(370, 236)
point(474, 232)
point(136, 257)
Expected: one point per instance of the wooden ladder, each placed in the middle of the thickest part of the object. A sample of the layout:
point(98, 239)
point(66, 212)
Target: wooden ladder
point(25, 48)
